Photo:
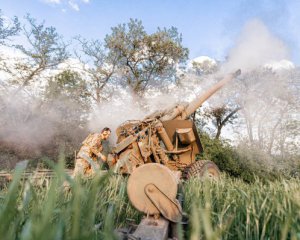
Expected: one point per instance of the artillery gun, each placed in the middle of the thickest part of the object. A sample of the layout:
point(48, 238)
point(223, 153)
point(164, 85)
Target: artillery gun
point(166, 137)
point(155, 152)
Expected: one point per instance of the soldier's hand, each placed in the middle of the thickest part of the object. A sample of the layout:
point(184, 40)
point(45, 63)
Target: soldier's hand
point(102, 157)
point(97, 166)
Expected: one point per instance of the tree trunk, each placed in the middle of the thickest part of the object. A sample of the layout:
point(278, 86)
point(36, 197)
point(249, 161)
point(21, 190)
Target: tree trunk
point(221, 124)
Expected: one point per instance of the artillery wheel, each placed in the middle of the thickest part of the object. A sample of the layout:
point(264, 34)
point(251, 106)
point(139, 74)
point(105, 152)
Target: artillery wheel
point(202, 169)
point(155, 173)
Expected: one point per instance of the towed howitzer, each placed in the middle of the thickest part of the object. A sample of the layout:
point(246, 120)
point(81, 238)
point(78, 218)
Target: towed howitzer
point(166, 137)
point(155, 152)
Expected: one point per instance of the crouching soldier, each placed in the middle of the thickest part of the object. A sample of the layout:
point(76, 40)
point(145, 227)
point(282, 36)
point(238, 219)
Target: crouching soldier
point(91, 150)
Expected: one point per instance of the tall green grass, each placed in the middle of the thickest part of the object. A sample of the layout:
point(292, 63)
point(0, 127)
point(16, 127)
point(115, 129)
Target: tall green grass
point(233, 209)
point(93, 208)
point(65, 208)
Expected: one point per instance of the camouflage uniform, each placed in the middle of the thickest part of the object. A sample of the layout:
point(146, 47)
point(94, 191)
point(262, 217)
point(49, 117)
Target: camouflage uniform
point(86, 161)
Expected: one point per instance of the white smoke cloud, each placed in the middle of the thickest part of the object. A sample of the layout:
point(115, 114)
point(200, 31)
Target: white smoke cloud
point(111, 114)
point(255, 47)
point(126, 106)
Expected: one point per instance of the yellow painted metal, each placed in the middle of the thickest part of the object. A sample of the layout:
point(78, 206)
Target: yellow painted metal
point(169, 208)
point(151, 173)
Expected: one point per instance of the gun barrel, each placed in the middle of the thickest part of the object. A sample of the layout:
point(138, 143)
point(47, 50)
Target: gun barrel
point(194, 105)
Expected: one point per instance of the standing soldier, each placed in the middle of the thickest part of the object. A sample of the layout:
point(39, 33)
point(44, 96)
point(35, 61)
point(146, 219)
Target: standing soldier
point(91, 149)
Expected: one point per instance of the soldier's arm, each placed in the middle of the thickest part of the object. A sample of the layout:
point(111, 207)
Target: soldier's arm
point(97, 152)
point(96, 148)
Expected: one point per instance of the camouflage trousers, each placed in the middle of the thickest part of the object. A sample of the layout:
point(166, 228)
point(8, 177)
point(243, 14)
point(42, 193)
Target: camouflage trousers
point(84, 168)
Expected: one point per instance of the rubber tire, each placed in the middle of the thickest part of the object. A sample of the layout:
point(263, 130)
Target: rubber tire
point(202, 169)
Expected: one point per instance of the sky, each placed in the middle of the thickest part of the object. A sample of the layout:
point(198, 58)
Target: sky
point(208, 28)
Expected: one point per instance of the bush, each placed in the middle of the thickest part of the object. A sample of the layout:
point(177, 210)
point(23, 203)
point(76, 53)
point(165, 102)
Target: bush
point(241, 161)
point(222, 154)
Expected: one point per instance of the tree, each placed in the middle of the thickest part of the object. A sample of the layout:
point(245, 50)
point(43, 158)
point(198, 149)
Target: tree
point(8, 29)
point(221, 116)
point(45, 51)
point(67, 92)
point(98, 65)
point(145, 59)
point(204, 65)
point(218, 114)
point(270, 105)
point(23, 124)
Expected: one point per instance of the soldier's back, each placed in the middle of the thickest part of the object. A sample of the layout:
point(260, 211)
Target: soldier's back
point(90, 138)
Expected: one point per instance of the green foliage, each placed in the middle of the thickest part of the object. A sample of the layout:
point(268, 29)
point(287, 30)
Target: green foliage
point(245, 162)
point(222, 154)
point(46, 49)
point(99, 66)
point(233, 209)
point(145, 59)
point(66, 96)
point(204, 67)
point(68, 92)
point(8, 31)
point(66, 208)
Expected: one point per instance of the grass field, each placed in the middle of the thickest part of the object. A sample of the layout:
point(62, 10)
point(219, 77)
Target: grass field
point(92, 209)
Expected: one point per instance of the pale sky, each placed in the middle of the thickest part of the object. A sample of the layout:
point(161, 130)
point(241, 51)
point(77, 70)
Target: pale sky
point(208, 27)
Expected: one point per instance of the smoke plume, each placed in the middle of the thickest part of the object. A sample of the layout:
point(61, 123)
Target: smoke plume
point(256, 46)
